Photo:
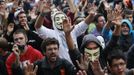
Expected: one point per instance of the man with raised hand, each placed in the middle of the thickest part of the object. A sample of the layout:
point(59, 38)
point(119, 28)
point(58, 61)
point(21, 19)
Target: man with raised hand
point(57, 20)
point(22, 52)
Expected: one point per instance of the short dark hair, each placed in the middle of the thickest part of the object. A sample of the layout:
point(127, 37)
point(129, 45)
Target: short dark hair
point(116, 54)
point(22, 31)
point(21, 12)
point(97, 16)
point(48, 41)
point(3, 43)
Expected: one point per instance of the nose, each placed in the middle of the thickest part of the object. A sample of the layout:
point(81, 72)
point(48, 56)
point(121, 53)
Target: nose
point(92, 59)
point(119, 67)
point(18, 41)
point(125, 27)
point(61, 20)
point(23, 18)
point(53, 50)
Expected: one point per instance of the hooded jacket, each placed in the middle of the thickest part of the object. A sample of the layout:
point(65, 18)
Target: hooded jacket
point(89, 38)
point(92, 38)
point(130, 57)
point(125, 41)
point(76, 55)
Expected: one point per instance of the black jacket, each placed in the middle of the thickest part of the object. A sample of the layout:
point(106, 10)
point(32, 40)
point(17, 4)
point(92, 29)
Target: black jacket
point(75, 54)
point(62, 67)
point(130, 57)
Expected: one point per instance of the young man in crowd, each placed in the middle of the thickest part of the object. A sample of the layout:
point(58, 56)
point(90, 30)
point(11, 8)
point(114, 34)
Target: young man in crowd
point(52, 64)
point(117, 62)
point(22, 52)
point(127, 34)
point(99, 22)
point(33, 39)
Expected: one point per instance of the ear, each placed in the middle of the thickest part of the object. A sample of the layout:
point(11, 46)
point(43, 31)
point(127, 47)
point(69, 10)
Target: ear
point(26, 39)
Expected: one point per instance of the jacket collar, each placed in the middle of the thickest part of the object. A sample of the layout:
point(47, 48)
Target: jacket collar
point(45, 63)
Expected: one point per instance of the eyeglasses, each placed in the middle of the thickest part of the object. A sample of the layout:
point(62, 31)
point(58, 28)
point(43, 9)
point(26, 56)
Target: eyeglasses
point(120, 64)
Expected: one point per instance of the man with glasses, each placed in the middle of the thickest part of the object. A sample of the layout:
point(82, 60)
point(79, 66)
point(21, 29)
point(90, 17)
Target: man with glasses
point(117, 63)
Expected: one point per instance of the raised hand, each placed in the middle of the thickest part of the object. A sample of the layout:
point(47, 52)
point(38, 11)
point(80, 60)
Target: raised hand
point(44, 7)
point(67, 27)
point(118, 18)
point(96, 67)
point(106, 5)
point(84, 62)
point(3, 13)
point(30, 70)
point(118, 15)
point(15, 5)
point(110, 14)
point(16, 50)
point(25, 25)
point(115, 15)
point(92, 8)
point(118, 7)
point(80, 72)
point(17, 53)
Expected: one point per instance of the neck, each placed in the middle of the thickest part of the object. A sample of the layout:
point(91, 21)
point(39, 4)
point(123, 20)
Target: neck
point(123, 73)
point(52, 64)
point(99, 29)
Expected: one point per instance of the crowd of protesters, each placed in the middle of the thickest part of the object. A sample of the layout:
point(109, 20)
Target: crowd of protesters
point(66, 37)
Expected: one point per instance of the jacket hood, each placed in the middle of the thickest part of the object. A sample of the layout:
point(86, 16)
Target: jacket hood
point(89, 38)
point(53, 13)
point(128, 23)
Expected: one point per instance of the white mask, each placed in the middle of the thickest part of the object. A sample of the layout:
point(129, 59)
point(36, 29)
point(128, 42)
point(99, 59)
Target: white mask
point(93, 54)
point(58, 20)
point(101, 39)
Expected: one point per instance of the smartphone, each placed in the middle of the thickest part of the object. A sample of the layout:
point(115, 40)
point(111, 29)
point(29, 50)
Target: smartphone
point(21, 47)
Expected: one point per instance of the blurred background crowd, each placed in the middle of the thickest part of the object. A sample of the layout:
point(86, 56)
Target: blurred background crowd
point(95, 37)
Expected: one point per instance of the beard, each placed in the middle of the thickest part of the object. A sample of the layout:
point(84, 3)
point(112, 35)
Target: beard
point(125, 32)
point(52, 58)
